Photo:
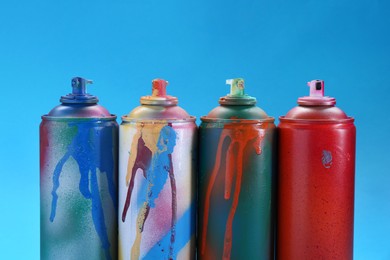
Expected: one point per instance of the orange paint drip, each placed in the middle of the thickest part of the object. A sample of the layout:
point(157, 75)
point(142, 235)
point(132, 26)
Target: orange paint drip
point(240, 135)
point(229, 171)
point(227, 248)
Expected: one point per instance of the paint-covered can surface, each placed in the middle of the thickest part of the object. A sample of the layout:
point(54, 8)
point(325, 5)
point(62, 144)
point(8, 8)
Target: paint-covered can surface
point(316, 180)
point(236, 175)
point(78, 179)
point(157, 163)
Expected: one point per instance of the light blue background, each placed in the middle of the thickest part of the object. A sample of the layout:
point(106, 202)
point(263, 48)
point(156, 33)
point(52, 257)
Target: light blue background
point(277, 46)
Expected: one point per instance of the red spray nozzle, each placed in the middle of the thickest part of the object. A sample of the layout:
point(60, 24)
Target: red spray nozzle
point(159, 87)
point(159, 95)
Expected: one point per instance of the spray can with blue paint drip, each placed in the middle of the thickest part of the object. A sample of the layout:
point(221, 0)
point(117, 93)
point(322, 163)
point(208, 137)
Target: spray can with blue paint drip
point(316, 181)
point(157, 163)
point(236, 179)
point(78, 178)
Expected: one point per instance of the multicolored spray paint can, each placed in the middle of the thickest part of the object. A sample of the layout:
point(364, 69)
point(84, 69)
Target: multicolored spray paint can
point(78, 178)
point(316, 180)
point(236, 179)
point(157, 163)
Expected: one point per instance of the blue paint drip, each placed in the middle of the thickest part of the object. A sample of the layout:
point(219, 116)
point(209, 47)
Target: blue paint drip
point(56, 184)
point(85, 148)
point(182, 237)
point(157, 173)
point(156, 176)
point(326, 159)
point(98, 215)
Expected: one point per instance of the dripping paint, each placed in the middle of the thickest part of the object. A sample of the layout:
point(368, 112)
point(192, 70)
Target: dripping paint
point(240, 137)
point(86, 151)
point(154, 157)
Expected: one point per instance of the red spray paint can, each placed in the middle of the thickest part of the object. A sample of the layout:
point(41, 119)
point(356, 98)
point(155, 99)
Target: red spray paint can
point(316, 180)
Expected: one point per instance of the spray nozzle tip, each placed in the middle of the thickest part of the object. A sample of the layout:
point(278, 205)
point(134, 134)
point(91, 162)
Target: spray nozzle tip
point(316, 88)
point(79, 85)
point(237, 87)
point(159, 87)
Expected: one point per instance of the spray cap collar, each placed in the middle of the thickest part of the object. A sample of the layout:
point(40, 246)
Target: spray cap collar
point(79, 93)
point(159, 95)
point(237, 94)
point(316, 98)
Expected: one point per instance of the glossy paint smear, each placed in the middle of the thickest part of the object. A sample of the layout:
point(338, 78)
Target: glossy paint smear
point(240, 136)
point(85, 150)
point(154, 157)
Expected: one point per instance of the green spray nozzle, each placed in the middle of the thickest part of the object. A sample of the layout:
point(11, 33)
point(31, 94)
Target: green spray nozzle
point(236, 87)
point(237, 94)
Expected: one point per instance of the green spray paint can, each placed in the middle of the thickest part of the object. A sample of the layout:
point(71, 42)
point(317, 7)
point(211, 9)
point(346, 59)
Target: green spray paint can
point(236, 179)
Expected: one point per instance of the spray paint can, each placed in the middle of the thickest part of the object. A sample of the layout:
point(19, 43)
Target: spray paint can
point(157, 160)
point(236, 148)
point(316, 179)
point(78, 178)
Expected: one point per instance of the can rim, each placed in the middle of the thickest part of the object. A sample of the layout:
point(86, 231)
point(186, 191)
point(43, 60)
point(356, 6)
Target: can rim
point(317, 121)
point(64, 118)
point(126, 119)
point(237, 120)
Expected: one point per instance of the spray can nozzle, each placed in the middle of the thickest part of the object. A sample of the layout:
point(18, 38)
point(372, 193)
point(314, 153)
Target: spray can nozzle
point(79, 92)
point(159, 95)
point(159, 87)
point(237, 87)
point(316, 97)
point(316, 88)
point(79, 85)
point(237, 94)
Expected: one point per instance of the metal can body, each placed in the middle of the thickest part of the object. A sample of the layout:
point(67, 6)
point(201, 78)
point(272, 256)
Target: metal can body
point(157, 192)
point(78, 180)
point(236, 179)
point(316, 179)
point(157, 164)
point(316, 190)
point(78, 188)
point(235, 190)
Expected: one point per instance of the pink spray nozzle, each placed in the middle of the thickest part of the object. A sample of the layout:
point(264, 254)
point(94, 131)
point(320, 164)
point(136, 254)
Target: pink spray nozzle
point(316, 97)
point(159, 87)
point(316, 88)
